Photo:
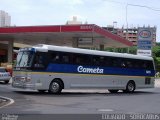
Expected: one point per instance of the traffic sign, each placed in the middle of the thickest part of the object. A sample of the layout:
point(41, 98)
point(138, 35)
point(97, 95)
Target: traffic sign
point(144, 43)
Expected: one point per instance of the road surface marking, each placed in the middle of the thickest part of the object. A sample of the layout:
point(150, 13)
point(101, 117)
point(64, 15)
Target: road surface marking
point(5, 98)
point(105, 110)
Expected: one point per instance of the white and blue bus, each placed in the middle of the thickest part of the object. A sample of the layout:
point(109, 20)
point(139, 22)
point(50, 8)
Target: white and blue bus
point(53, 68)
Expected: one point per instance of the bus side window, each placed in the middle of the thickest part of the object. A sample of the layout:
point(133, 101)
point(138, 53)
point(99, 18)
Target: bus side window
point(123, 64)
point(77, 60)
point(129, 64)
point(102, 61)
point(39, 61)
point(87, 59)
point(65, 58)
point(144, 64)
point(55, 58)
point(96, 60)
point(126, 63)
point(136, 64)
point(82, 59)
point(150, 65)
point(139, 64)
point(115, 62)
point(108, 61)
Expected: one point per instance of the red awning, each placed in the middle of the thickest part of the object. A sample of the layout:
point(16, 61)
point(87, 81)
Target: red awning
point(60, 33)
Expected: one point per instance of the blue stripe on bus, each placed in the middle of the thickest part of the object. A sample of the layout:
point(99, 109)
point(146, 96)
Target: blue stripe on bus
point(68, 68)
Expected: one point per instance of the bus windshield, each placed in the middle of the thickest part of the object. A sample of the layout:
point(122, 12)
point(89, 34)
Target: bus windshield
point(24, 59)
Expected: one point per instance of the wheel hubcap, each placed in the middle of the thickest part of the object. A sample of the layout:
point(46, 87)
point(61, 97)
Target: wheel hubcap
point(130, 87)
point(55, 87)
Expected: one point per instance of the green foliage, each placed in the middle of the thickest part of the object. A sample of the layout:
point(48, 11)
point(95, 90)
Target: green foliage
point(158, 44)
point(156, 56)
point(133, 50)
point(156, 51)
point(157, 63)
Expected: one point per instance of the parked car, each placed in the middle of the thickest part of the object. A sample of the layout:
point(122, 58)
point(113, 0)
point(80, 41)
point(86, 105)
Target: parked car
point(4, 75)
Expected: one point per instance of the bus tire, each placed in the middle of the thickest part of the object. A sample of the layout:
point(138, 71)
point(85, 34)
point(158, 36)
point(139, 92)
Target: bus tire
point(6, 82)
point(130, 87)
point(113, 91)
point(56, 87)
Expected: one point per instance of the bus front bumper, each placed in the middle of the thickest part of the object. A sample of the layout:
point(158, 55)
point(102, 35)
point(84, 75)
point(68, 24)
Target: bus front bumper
point(23, 85)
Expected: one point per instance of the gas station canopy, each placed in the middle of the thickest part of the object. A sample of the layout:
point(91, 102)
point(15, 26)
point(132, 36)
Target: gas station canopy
point(86, 35)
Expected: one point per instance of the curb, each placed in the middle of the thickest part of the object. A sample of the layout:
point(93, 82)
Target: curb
point(8, 101)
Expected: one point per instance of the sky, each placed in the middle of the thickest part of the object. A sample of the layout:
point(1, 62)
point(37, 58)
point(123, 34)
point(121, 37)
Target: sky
point(99, 12)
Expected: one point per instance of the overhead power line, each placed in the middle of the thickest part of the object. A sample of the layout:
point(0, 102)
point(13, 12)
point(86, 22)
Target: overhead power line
point(136, 5)
point(148, 7)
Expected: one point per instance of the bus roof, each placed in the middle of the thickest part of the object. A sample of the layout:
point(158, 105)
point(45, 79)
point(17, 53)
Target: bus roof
point(45, 48)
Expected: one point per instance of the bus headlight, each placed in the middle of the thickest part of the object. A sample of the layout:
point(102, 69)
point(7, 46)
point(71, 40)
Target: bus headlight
point(23, 79)
point(28, 79)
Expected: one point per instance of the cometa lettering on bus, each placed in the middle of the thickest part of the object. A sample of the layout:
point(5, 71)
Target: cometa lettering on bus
point(81, 69)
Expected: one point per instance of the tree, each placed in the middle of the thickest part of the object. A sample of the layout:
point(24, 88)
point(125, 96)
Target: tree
point(156, 56)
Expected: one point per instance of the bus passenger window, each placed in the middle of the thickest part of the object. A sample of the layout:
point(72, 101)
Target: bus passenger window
point(150, 65)
point(39, 61)
point(123, 64)
point(108, 61)
point(55, 58)
point(129, 64)
point(82, 59)
point(96, 60)
point(102, 61)
point(144, 64)
point(115, 62)
point(65, 59)
point(78, 61)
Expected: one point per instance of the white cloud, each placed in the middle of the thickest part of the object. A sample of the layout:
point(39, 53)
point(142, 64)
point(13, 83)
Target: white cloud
point(75, 2)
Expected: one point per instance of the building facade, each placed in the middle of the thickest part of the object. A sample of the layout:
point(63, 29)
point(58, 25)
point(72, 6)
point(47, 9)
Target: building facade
point(130, 33)
point(5, 19)
point(74, 21)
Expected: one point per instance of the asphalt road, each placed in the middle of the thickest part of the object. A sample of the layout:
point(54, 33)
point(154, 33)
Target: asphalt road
point(81, 101)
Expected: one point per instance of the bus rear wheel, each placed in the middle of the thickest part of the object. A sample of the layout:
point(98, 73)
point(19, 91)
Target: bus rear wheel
point(130, 87)
point(113, 91)
point(55, 87)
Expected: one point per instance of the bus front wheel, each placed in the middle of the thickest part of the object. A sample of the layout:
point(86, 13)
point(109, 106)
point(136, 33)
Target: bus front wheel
point(6, 82)
point(55, 87)
point(130, 87)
